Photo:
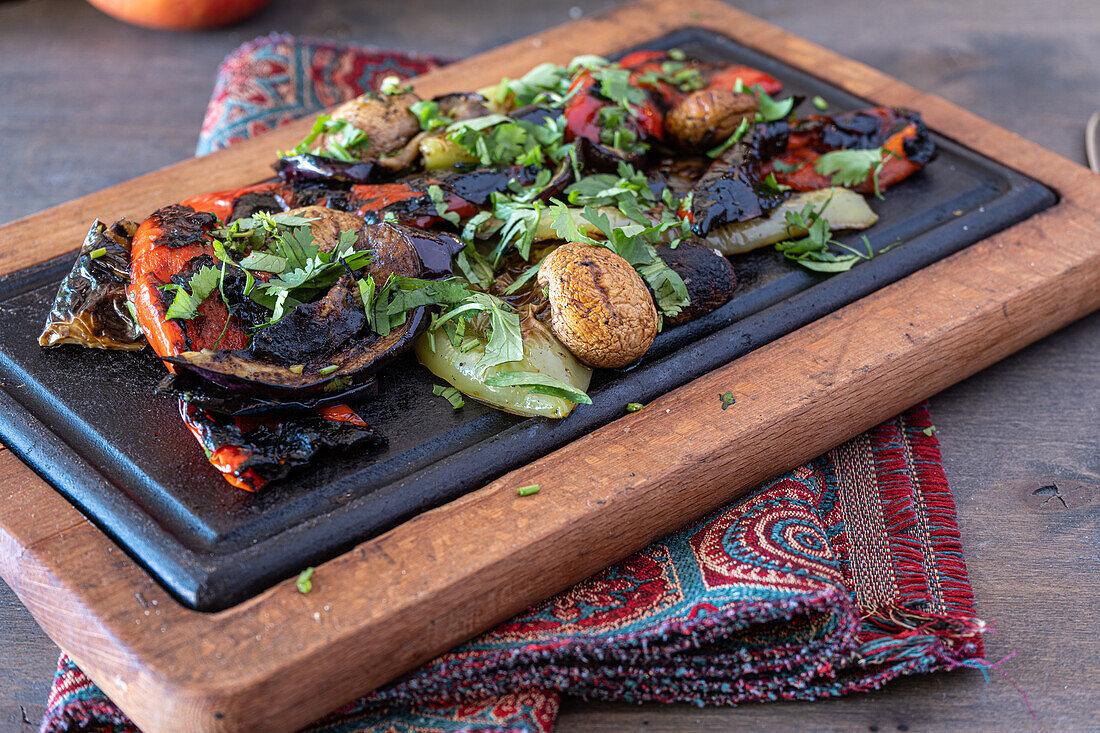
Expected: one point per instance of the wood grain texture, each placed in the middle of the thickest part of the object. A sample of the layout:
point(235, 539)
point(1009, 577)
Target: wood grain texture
point(971, 310)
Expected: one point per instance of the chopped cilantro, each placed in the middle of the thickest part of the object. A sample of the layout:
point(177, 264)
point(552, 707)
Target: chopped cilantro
point(187, 301)
point(770, 109)
point(929, 430)
point(634, 406)
point(539, 384)
point(727, 399)
point(450, 394)
point(731, 140)
point(305, 581)
point(427, 111)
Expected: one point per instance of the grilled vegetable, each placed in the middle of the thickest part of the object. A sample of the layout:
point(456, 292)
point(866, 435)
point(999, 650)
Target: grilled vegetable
point(844, 209)
point(90, 308)
point(251, 451)
point(600, 307)
point(542, 354)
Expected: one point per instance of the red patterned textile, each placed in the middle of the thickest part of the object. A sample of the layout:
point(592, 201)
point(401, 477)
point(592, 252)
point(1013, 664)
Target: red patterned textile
point(841, 575)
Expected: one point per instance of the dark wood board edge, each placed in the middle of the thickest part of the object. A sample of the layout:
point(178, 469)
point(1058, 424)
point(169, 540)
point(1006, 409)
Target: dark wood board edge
point(405, 596)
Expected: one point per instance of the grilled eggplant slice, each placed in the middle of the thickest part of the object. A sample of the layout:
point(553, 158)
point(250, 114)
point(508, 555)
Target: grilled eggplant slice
point(90, 308)
point(322, 347)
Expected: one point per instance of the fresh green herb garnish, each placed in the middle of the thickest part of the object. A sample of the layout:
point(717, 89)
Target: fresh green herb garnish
point(813, 251)
point(775, 185)
point(770, 109)
point(188, 299)
point(95, 254)
point(929, 430)
point(539, 384)
point(820, 103)
point(326, 370)
point(528, 490)
point(782, 167)
point(450, 394)
point(727, 399)
point(427, 111)
point(634, 406)
point(732, 139)
point(852, 167)
point(305, 581)
point(342, 138)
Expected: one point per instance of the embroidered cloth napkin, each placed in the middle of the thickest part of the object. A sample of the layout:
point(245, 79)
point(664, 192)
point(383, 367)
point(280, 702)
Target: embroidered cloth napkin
point(837, 577)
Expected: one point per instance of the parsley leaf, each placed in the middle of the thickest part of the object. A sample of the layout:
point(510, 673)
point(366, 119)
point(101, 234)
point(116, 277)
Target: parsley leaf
point(850, 167)
point(186, 304)
point(770, 109)
point(539, 383)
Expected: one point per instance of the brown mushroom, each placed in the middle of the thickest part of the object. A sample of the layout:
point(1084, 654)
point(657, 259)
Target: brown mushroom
point(708, 117)
point(327, 225)
point(384, 118)
point(600, 307)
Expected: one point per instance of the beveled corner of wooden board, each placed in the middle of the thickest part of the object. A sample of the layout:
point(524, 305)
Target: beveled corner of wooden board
point(281, 659)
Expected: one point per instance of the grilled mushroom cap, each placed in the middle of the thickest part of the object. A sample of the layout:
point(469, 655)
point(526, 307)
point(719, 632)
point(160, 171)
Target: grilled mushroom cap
point(385, 118)
point(708, 117)
point(327, 225)
point(600, 307)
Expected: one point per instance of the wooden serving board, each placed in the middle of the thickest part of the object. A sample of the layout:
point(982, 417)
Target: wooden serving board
point(282, 659)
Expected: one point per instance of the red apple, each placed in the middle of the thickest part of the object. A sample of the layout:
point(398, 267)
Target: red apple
point(179, 15)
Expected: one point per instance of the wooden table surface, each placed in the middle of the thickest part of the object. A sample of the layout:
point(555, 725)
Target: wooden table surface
point(88, 102)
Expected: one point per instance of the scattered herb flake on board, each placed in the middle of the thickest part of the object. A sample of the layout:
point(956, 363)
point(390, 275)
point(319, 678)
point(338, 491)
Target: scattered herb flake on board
point(528, 490)
point(727, 399)
point(450, 394)
point(304, 582)
point(929, 430)
point(634, 406)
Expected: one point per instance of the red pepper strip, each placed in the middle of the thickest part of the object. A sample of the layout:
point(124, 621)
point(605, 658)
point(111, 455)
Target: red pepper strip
point(227, 459)
point(371, 197)
point(220, 203)
point(636, 59)
point(727, 79)
point(154, 265)
point(582, 113)
point(806, 177)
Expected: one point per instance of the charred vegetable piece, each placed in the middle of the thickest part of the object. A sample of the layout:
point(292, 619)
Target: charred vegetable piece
point(252, 451)
point(732, 189)
point(706, 118)
point(210, 398)
point(844, 209)
point(309, 168)
point(709, 278)
point(326, 350)
point(90, 308)
point(901, 136)
point(163, 246)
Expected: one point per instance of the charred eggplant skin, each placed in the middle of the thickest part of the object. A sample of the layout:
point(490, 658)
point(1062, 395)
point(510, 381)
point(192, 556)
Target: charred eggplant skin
point(90, 308)
point(709, 278)
point(731, 189)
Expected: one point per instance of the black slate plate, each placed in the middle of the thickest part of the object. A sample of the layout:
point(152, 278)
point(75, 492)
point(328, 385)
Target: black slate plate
point(89, 423)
